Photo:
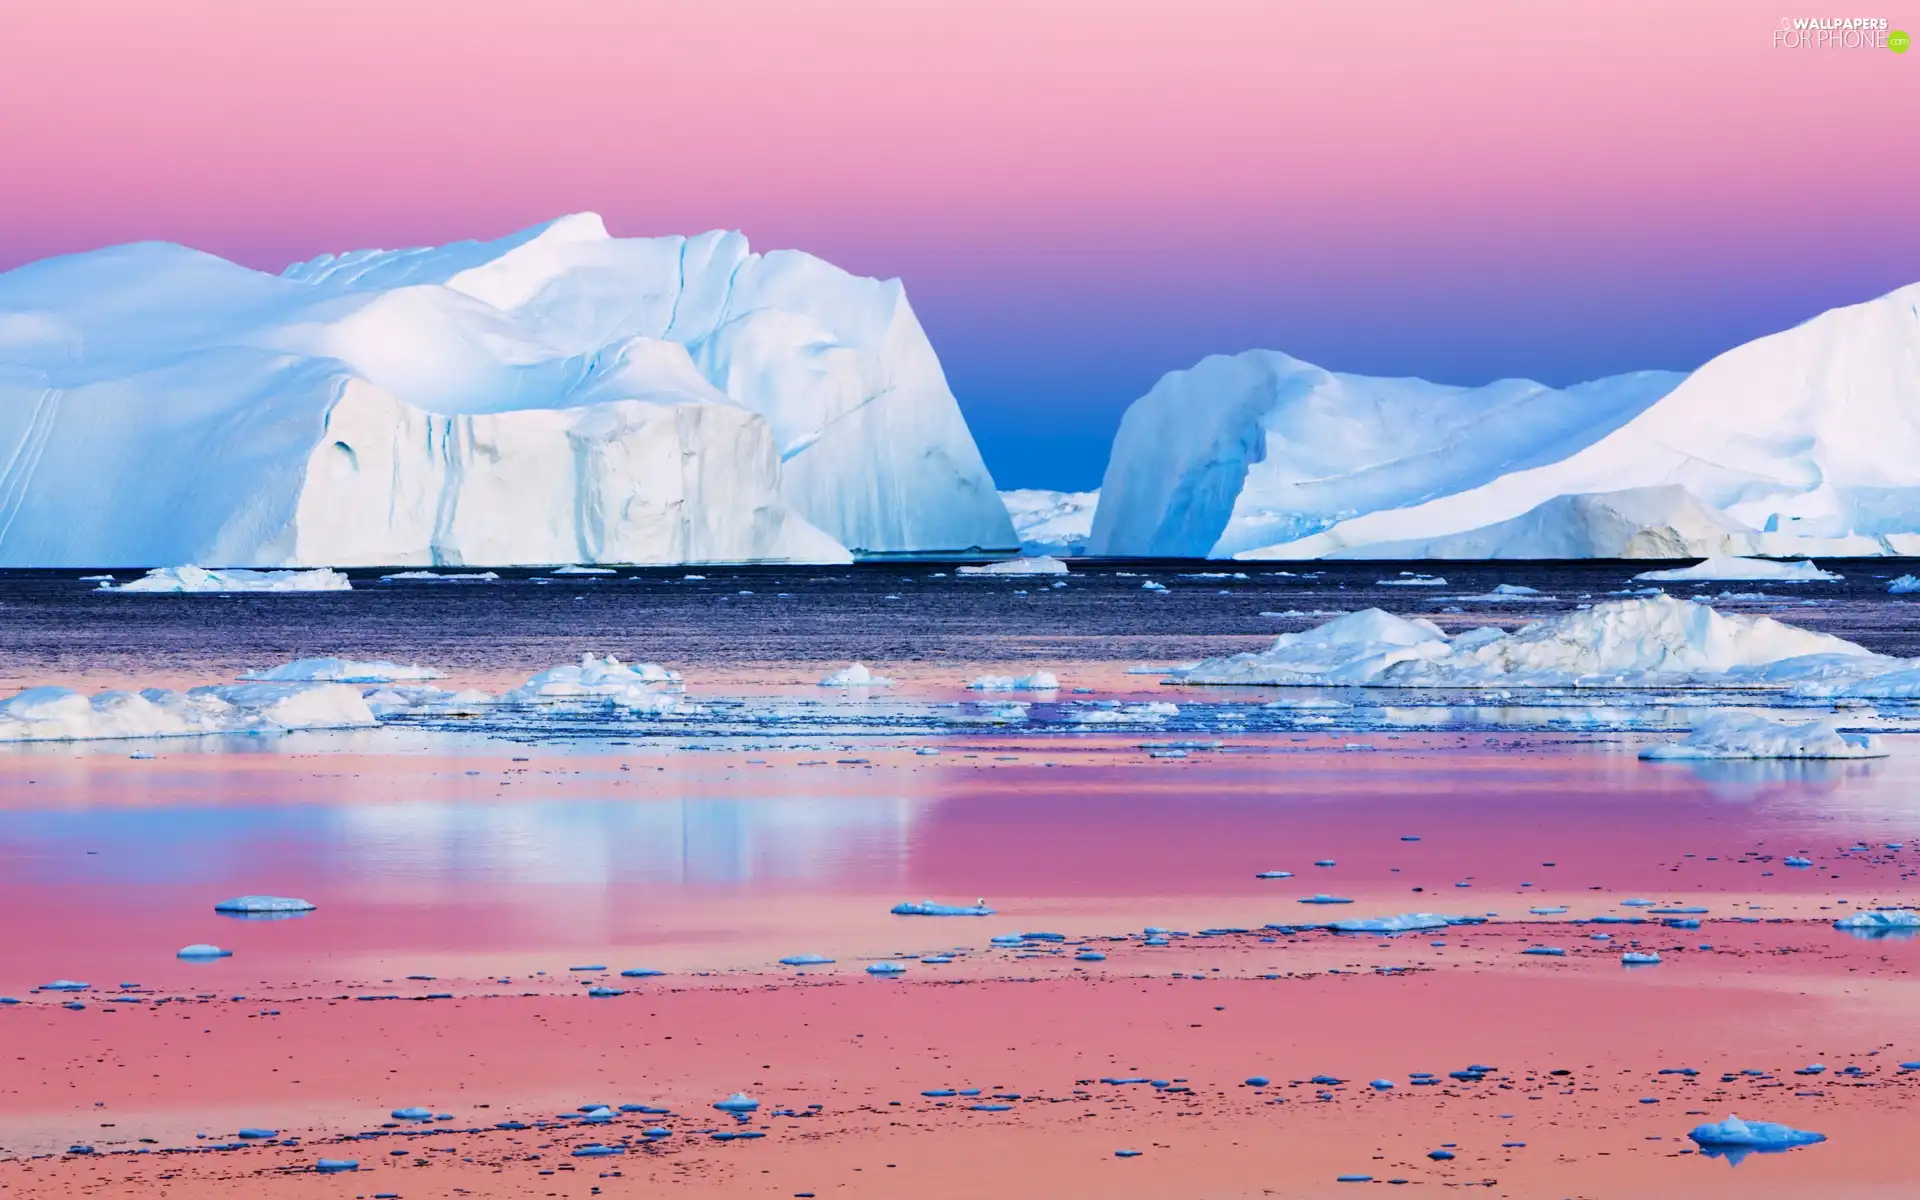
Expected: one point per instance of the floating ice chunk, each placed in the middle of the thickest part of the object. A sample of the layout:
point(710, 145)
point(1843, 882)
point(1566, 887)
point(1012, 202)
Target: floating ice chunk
point(1153, 586)
point(178, 580)
point(58, 714)
point(341, 670)
point(1748, 735)
point(1733, 1133)
point(65, 985)
point(1794, 860)
point(805, 960)
point(1906, 585)
point(855, 675)
point(1273, 875)
point(1411, 579)
point(1128, 714)
point(334, 1166)
point(927, 908)
point(1547, 910)
point(1043, 564)
point(412, 1113)
point(597, 678)
point(1126, 1154)
point(1039, 681)
point(1403, 923)
point(1636, 958)
point(202, 950)
point(885, 968)
point(641, 973)
point(1546, 951)
point(264, 904)
point(1880, 919)
point(1090, 956)
point(257, 1134)
point(393, 699)
point(739, 1102)
point(575, 569)
point(1720, 568)
point(1323, 898)
point(597, 1150)
point(437, 577)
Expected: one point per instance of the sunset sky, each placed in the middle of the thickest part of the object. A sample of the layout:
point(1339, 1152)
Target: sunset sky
point(1079, 196)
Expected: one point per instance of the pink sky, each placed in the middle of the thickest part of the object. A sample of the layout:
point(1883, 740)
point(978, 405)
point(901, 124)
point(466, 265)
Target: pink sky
point(1317, 176)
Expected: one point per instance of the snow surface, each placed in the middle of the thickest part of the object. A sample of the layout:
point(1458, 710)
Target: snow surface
point(855, 675)
point(341, 670)
point(1748, 735)
point(1742, 569)
point(1808, 438)
point(199, 579)
point(557, 395)
point(1753, 1135)
point(58, 714)
point(1040, 565)
point(1637, 642)
point(1050, 522)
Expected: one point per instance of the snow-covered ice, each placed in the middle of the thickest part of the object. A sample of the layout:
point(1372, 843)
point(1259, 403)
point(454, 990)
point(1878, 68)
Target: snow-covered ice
point(177, 580)
point(1050, 522)
point(1039, 681)
point(1042, 564)
point(557, 395)
point(341, 670)
point(53, 714)
point(1749, 735)
point(1636, 642)
point(855, 675)
point(1742, 569)
point(1733, 1133)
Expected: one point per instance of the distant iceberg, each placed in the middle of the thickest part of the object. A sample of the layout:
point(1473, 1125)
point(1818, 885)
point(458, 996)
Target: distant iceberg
point(201, 950)
point(1733, 1133)
point(199, 579)
point(437, 577)
point(341, 670)
point(1747, 735)
point(1043, 564)
point(1039, 681)
point(1403, 923)
point(1046, 522)
point(855, 675)
point(264, 904)
point(1648, 641)
point(640, 687)
point(1906, 585)
point(927, 908)
point(1742, 569)
point(1880, 920)
point(56, 714)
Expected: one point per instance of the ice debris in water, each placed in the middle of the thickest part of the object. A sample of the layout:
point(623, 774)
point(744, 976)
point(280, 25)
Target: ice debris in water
point(1403, 923)
point(739, 1102)
point(199, 579)
point(574, 569)
point(1411, 579)
point(333, 1166)
point(1906, 585)
point(341, 670)
point(855, 675)
point(1748, 735)
point(1040, 564)
point(647, 687)
point(1323, 898)
point(412, 1113)
point(202, 950)
point(1637, 958)
point(65, 985)
point(805, 960)
point(1039, 681)
point(437, 577)
point(264, 904)
point(1723, 567)
point(885, 968)
point(1733, 1133)
point(58, 714)
point(927, 908)
point(1654, 641)
point(1880, 919)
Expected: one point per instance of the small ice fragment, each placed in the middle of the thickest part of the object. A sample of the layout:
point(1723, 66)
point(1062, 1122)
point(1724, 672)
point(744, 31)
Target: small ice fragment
point(641, 973)
point(333, 1166)
point(256, 1134)
point(597, 1150)
point(1090, 956)
point(413, 1113)
point(1548, 951)
point(855, 675)
point(602, 992)
point(1381, 1085)
point(590, 967)
point(1638, 958)
point(1273, 875)
point(1880, 919)
point(1794, 860)
point(928, 908)
point(1548, 910)
point(885, 968)
point(202, 950)
point(1258, 1081)
point(264, 904)
point(805, 960)
point(1323, 898)
point(65, 985)
point(739, 1102)
point(1733, 1133)
point(1126, 1154)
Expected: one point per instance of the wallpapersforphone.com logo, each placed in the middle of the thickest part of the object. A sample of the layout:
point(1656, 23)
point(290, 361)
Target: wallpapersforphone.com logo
point(1840, 33)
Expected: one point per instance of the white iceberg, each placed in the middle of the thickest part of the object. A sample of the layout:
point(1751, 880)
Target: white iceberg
point(577, 569)
point(641, 685)
point(58, 714)
point(1411, 579)
point(1733, 1133)
point(264, 904)
point(341, 670)
point(199, 579)
point(558, 395)
point(855, 675)
point(1880, 920)
point(1039, 565)
point(1747, 735)
point(438, 577)
point(1652, 641)
point(201, 950)
point(1039, 681)
point(1052, 523)
point(1906, 585)
point(1402, 923)
point(1741, 569)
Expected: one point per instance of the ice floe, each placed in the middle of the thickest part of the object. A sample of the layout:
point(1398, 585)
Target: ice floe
point(58, 714)
point(1411, 579)
point(1039, 681)
point(855, 675)
point(645, 687)
point(201, 950)
point(1039, 564)
point(1721, 568)
point(1733, 1133)
point(200, 579)
point(264, 904)
point(341, 670)
point(1906, 585)
point(1646, 641)
point(1880, 920)
point(1402, 923)
point(1748, 735)
point(437, 577)
point(927, 908)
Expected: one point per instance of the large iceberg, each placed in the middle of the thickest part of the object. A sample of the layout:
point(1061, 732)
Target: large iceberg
point(58, 714)
point(1653, 641)
point(1743, 570)
point(556, 396)
point(1048, 522)
point(1804, 442)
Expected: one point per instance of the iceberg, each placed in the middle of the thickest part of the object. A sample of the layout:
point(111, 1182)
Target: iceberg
point(340, 670)
point(264, 904)
point(181, 580)
point(1880, 920)
point(1051, 523)
point(927, 908)
point(855, 675)
point(1747, 735)
point(438, 577)
point(201, 950)
point(1742, 569)
point(1733, 1133)
point(58, 714)
point(641, 687)
point(1906, 585)
point(557, 395)
point(1040, 565)
point(1039, 681)
point(1403, 923)
point(1642, 641)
